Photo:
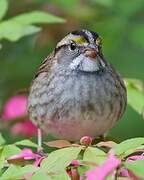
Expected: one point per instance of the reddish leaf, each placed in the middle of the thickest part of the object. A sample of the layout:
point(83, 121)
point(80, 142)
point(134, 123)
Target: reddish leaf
point(109, 144)
point(58, 143)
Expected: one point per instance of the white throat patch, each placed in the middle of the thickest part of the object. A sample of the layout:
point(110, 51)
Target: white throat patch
point(84, 63)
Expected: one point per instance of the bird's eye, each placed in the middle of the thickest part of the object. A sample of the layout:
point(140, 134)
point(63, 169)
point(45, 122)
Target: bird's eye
point(73, 46)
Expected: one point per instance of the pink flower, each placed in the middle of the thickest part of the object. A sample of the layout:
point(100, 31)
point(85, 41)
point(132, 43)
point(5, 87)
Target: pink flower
point(72, 170)
point(124, 173)
point(15, 107)
point(26, 154)
point(75, 163)
point(101, 172)
point(38, 161)
point(128, 173)
point(25, 128)
point(86, 140)
point(135, 157)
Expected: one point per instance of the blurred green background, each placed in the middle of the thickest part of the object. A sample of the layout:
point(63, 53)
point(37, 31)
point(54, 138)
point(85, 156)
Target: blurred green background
point(119, 22)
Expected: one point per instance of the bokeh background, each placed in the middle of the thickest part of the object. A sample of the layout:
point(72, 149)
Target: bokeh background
point(119, 22)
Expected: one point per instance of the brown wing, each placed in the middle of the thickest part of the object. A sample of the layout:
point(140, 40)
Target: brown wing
point(46, 64)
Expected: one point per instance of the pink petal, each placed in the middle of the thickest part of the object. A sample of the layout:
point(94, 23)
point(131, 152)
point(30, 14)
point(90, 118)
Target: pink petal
point(136, 157)
point(124, 173)
point(101, 172)
point(25, 128)
point(38, 161)
point(15, 157)
point(15, 107)
point(25, 154)
point(75, 163)
point(28, 154)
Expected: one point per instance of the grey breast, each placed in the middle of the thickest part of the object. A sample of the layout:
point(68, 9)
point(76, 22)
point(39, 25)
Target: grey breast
point(69, 94)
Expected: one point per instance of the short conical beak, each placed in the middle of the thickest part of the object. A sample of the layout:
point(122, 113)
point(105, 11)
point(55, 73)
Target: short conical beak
point(90, 52)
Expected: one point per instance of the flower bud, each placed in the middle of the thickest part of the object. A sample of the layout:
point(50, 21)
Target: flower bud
point(86, 140)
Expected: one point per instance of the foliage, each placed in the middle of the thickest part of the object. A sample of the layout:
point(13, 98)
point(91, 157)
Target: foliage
point(22, 25)
point(3, 8)
point(101, 160)
point(135, 89)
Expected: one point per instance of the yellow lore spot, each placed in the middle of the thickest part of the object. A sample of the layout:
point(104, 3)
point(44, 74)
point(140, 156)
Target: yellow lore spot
point(80, 40)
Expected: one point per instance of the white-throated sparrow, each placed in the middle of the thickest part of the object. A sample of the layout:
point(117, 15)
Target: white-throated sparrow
point(76, 92)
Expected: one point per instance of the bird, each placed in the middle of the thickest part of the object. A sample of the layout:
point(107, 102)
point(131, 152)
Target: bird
point(76, 91)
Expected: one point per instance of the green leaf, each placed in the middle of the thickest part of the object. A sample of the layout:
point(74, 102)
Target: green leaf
point(2, 141)
point(137, 167)
point(37, 17)
point(2, 160)
point(127, 145)
point(15, 171)
point(82, 169)
point(10, 150)
point(26, 142)
point(58, 160)
point(13, 31)
point(40, 174)
point(19, 26)
point(135, 95)
point(3, 8)
point(94, 155)
point(63, 176)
